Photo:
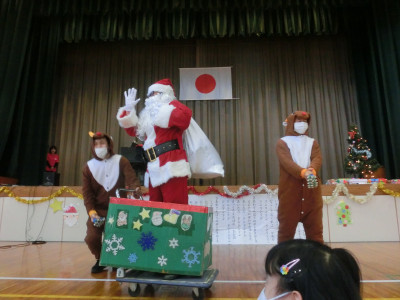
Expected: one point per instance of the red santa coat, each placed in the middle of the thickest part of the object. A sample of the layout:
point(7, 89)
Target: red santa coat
point(169, 124)
point(297, 203)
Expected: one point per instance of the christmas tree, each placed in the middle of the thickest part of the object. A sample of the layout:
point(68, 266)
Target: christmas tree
point(359, 161)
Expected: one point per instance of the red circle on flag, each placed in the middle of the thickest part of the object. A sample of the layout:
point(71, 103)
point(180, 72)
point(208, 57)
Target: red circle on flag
point(205, 83)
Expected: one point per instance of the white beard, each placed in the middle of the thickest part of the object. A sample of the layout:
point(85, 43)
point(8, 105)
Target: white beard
point(71, 220)
point(149, 112)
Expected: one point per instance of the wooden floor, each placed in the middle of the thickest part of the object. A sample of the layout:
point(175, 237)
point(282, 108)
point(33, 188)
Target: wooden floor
point(57, 270)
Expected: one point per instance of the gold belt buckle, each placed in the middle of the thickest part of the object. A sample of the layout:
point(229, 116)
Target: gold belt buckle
point(149, 154)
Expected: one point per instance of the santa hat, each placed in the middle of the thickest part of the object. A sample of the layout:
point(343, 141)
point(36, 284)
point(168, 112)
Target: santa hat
point(162, 86)
point(70, 210)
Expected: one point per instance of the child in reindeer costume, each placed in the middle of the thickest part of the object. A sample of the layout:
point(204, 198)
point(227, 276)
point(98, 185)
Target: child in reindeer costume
point(102, 176)
point(162, 124)
point(300, 198)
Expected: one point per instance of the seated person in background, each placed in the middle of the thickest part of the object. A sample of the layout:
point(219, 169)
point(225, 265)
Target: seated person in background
point(308, 270)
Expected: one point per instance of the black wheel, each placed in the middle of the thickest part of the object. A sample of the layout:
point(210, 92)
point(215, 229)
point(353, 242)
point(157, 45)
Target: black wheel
point(148, 290)
point(197, 293)
point(134, 289)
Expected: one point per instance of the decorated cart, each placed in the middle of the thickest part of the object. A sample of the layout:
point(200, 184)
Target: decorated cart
point(147, 240)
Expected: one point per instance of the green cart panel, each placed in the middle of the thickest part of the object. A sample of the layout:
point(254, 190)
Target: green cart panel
point(158, 237)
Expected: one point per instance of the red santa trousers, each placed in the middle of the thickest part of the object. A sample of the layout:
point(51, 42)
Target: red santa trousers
point(173, 191)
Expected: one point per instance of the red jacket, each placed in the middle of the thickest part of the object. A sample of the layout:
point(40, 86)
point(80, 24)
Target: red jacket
point(170, 123)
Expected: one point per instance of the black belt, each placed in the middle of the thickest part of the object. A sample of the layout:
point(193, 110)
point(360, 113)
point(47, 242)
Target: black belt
point(152, 153)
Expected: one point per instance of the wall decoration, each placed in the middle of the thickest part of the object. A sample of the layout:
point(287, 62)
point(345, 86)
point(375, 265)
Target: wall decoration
point(71, 215)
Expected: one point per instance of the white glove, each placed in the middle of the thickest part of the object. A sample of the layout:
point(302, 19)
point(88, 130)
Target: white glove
point(130, 101)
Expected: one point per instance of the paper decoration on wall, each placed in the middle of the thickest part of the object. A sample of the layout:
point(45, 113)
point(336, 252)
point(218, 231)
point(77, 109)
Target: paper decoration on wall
point(71, 215)
point(56, 205)
point(343, 213)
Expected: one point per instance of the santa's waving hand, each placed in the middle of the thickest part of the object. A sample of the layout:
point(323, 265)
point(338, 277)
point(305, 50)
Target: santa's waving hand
point(130, 102)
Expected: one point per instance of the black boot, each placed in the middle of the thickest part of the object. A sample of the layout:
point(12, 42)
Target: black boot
point(97, 268)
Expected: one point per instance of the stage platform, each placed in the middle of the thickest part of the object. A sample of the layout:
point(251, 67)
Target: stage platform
point(52, 213)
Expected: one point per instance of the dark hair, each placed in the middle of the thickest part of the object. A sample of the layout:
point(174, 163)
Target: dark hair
point(52, 147)
point(321, 272)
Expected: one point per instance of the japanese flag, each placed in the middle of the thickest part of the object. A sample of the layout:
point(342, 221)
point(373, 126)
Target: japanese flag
point(205, 83)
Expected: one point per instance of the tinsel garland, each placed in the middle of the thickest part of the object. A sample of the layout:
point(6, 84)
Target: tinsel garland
point(245, 190)
point(11, 194)
point(368, 153)
point(241, 192)
point(340, 187)
point(207, 191)
point(381, 186)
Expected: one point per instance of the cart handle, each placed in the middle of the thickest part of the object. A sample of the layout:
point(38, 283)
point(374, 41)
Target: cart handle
point(129, 196)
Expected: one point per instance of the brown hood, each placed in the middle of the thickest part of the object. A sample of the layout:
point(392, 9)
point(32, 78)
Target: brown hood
point(100, 135)
point(303, 115)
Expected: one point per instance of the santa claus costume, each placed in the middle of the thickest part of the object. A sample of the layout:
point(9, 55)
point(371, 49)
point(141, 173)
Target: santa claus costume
point(298, 156)
point(160, 125)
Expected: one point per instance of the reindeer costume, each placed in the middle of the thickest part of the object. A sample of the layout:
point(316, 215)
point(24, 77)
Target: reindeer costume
point(101, 179)
point(298, 155)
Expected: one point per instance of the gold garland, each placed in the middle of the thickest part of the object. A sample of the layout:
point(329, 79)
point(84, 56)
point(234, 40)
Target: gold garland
point(381, 186)
point(340, 187)
point(11, 194)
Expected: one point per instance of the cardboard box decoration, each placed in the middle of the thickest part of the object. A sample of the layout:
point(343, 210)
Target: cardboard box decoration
point(157, 237)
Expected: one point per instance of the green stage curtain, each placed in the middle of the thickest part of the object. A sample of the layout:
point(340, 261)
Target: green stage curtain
point(375, 36)
point(28, 54)
point(15, 23)
point(110, 20)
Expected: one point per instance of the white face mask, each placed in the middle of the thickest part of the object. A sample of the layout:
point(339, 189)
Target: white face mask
point(262, 295)
point(300, 127)
point(101, 152)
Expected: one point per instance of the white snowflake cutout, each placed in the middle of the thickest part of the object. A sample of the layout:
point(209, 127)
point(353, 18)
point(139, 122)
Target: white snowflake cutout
point(162, 261)
point(114, 244)
point(173, 243)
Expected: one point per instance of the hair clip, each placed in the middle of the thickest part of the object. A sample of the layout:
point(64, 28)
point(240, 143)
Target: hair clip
point(285, 268)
